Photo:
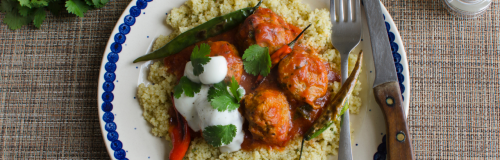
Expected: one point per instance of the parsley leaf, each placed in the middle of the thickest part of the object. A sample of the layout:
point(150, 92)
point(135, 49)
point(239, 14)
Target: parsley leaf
point(25, 3)
point(219, 89)
point(220, 98)
point(39, 17)
point(235, 89)
point(24, 11)
point(6, 5)
point(187, 87)
point(15, 20)
point(257, 60)
point(199, 57)
point(76, 7)
point(219, 135)
point(97, 3)
point(223, 103)
point(38, 3)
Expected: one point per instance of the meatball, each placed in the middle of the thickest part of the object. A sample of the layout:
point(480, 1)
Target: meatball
point(268, 115)
point(266, 29)
point(234, 61)
point(304, 75)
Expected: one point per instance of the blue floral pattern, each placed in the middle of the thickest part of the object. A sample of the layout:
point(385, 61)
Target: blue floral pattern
point(396, 56)
point(110, 77)
point(381, 153)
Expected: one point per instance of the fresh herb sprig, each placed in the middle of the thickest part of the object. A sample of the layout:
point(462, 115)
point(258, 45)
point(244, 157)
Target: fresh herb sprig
point(199, 57)
point(186, 86)
point(221, 99)
point(256, 60)
point(219, 135)
point(23, 12)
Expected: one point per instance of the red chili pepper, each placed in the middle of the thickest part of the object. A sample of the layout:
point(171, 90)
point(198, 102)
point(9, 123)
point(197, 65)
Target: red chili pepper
point(280, 54)
point(180, 135)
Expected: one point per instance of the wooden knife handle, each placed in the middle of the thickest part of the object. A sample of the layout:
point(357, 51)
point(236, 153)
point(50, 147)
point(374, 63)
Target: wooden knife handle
point(389, 98)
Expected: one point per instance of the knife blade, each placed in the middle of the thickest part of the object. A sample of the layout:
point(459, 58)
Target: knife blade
point(386, 87)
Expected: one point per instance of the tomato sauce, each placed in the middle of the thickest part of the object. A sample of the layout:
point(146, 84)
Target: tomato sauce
point(176, 64)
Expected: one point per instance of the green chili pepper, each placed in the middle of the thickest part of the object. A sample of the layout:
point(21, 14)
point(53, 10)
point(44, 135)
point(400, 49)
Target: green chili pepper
point(336, 107)
point(208, 29)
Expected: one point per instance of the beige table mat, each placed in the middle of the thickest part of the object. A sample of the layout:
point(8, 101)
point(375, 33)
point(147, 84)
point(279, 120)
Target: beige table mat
point(48, 83)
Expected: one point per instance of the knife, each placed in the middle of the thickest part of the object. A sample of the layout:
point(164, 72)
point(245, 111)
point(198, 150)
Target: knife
point(386, 87)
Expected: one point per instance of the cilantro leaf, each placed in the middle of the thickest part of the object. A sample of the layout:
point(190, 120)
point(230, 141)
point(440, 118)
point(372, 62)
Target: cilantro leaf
point(24, 11)
point(25, 3)
point(76, 7)
point(38, 3)
point(223, 103)
point(104, 1)
point(257, 60)
point(15, 20)
point(219, 135)
point(219, 89)
point(199, 57)
point(39, 17)
point(98, 4)
point(6, 5)
point(235, 89)
point(187, 87)
point(221, 99)
point(89, 2)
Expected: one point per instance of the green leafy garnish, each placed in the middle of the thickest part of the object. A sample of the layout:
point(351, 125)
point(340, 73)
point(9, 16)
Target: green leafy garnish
point(257, 60)
point(77, 7)
point(22, 12)
point(39, 17)
point(235, 89)
point(221, 99)
point(199, 57)
point(187, 87)
point(15, 20)
point(219, 135)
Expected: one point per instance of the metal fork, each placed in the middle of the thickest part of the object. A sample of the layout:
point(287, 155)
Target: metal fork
point(346, 34)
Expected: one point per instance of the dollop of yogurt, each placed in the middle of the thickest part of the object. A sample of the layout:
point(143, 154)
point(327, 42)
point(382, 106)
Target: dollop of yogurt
point(213, 72)
point(198, 111)
point(212, 117)
point(188, 72)
point(186, 107)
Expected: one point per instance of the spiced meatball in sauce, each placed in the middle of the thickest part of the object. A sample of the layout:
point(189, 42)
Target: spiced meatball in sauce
point(176, 63)
point(266, 29)
point(304, 75)
point(234, 61)
point(268, 114)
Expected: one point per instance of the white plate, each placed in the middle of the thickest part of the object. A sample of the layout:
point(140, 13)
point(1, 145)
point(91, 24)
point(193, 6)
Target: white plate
point(128, 136)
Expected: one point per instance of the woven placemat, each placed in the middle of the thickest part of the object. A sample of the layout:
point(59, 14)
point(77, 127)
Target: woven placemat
point(454, 70)
point(48, 83)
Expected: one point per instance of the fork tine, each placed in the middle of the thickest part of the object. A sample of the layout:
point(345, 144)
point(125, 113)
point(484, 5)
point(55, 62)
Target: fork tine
point(357, 9)
point(340, 10)
point(333, 10)
point(349, 12)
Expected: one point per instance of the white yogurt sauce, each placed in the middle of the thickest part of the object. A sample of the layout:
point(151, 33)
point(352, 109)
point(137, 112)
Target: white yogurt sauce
point(188, 72)
point(198, 111)
point(213, 72)
point(185, 106)
point(211, 117)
